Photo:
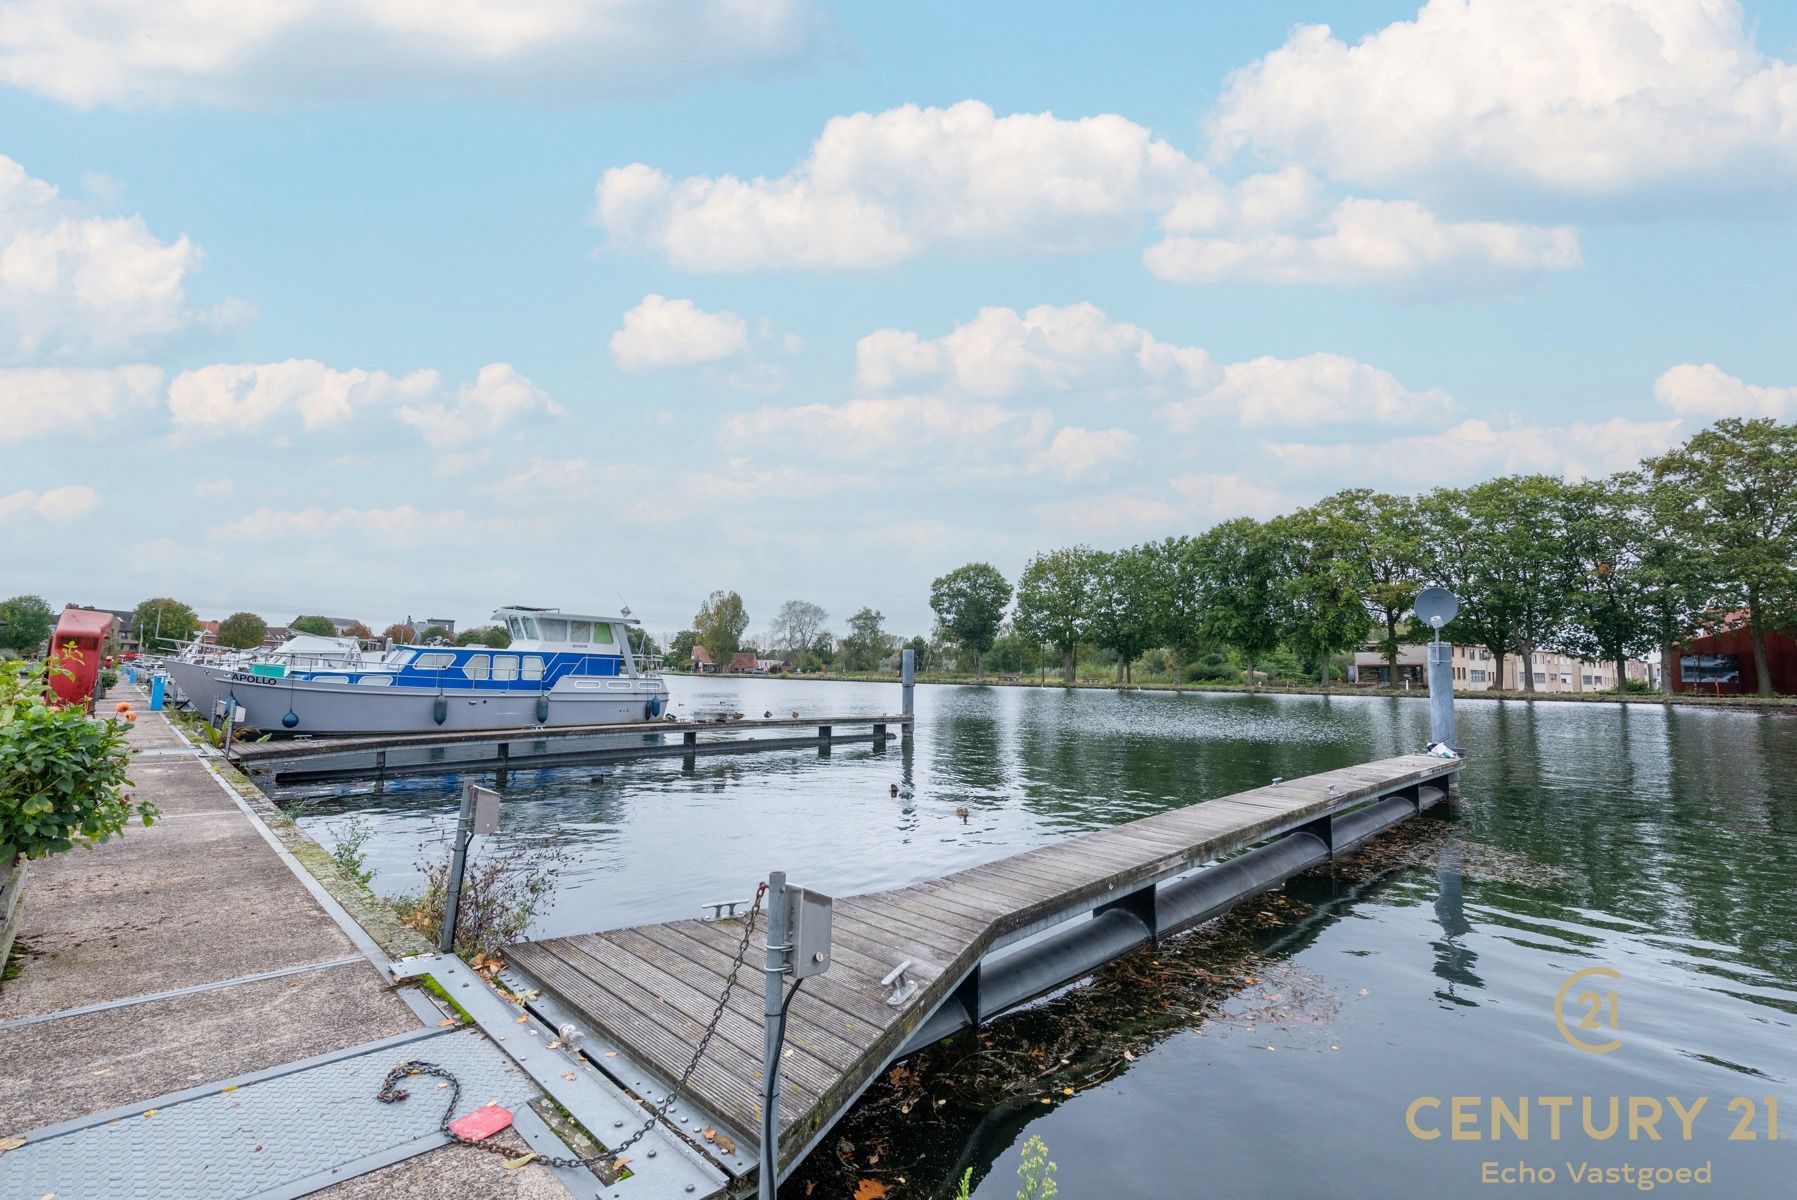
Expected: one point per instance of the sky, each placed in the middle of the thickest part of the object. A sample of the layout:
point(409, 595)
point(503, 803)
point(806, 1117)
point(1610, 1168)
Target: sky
point(402, 308)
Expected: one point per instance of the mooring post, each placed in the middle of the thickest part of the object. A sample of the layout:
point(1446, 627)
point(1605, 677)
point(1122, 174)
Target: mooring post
point(480, 814)
point(505, 759)
point(1441, 692)
point(908, 683)
point(773, 992)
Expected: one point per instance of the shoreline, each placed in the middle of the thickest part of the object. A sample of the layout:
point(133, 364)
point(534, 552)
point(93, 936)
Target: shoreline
point(1769, 704)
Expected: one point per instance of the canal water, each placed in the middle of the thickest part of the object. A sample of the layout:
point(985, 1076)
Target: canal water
point(1313, 1045)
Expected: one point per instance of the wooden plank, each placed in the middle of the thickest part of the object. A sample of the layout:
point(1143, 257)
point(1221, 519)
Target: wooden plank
point(917, 908)
point(640, 982)
point(945, 944)
point(719, 1090)
point(843, 986)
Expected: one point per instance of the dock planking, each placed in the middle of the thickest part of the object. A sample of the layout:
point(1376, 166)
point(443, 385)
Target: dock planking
point(651, 987)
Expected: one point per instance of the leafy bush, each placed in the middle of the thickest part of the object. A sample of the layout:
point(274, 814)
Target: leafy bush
point(62, 775)
point(501, 892)
point(108, 678)
point(349, 853)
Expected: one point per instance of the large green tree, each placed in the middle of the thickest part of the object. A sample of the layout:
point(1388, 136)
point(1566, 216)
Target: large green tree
point(316, 626)
point(1056, 598)
point(1677, 578)
point(1324, 613)
point(719, 626)
point(866, 642)
point(25, 623)
point(1607, 610)
point(242, 630)
point(1178, 601)
point(795, 627)
point(1126, 614)
point(1383, 561)
point(970, 603)
point(1741, 479)
point(161, 622)
point(1241, 582)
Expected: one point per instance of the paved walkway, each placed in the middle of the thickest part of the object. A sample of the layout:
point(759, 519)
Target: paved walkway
point(190, 953)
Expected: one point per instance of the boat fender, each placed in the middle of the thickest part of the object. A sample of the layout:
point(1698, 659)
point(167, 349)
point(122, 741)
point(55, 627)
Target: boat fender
point(440, 709)
point(291, 721)
point(652, 709)
point(543, 710)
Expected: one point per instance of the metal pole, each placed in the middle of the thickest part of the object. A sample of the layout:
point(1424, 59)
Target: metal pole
point(1441, 692)
point(773, 989)
point(464, 833)
point(908, 677)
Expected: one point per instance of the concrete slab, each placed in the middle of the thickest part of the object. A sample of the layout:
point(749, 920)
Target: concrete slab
point(58, 1070)
point(179, 785)
point(453, 1173)
point(191, 900)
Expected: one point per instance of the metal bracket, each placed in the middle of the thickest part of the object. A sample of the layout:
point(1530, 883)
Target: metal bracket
point(901, 987)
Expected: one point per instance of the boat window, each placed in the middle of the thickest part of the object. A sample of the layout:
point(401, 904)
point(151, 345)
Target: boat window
point(602, 634)
point(402, 657)
point(375, 681)
point(580, 631)
point(533, 667)
point(329, 678)
point(475, 667)
point(505, 666)
point(554, 629)
point(516, 626)
point(530, 629)
point(434, 660)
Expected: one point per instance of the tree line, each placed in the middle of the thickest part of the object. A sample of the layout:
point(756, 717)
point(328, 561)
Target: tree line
point(1701, 537)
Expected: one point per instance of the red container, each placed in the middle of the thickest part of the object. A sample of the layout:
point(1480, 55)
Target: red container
point(76, 645)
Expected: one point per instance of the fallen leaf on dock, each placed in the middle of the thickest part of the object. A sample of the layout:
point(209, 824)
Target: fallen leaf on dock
point(567, 1075)
point(521, 1019)
point(12, 1143)
point(512, 1164)
point(620, 1162)
point(709, 1133)
point(726, 1143)
point(870, 1189)
point(445, 1021)
point(150, 1112)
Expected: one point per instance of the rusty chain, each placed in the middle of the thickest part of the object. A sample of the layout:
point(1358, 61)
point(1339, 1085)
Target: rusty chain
point(391, 1092)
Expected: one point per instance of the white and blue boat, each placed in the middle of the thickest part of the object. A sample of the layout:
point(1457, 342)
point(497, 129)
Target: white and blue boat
point(560, 669)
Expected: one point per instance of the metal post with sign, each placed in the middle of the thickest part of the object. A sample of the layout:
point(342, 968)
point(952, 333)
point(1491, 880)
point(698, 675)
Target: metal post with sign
point(480, 814)
point(1437, 606)
point(798, 944)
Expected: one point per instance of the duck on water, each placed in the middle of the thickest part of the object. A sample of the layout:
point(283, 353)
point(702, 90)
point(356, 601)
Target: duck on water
point(559, 669)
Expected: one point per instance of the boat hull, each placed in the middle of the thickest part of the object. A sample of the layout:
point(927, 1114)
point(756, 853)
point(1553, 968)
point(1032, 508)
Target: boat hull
point(197, 683)
point(331, 709)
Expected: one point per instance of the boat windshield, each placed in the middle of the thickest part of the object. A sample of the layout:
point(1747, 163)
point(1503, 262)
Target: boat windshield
point(530, 629)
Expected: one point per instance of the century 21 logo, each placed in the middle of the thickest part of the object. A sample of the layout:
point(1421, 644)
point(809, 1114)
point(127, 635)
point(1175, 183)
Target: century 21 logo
point(1595, 1009)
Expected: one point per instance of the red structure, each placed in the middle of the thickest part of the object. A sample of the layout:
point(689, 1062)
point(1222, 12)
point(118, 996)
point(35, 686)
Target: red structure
point(1721, 664)
point(77, 644)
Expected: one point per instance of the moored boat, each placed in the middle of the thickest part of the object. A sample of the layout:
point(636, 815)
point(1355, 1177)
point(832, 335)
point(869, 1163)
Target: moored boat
point(559, 669)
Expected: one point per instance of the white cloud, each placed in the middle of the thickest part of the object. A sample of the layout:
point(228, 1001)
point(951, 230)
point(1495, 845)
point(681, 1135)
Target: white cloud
point(1576, 98)
point(1317, 389)
point(245, 397)
point(1392, 242)
point(879, 188)
point(236, 398)
point(895, 431)
point(1708, 392)
point(224, 52)
point(403, 524)
point(73, 284)
point(70, 402)
point(1188, 502)
point(1479, 449)
point(58, 506)
point(499, 397)
point(1001, 353)
point(207, 489)
point(676, 333)
point(1076, 453)
point(1215, 497)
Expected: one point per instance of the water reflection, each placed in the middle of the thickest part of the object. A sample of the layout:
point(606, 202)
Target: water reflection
point(1662, 843)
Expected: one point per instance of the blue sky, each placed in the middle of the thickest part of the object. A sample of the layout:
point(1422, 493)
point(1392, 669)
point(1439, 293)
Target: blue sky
point(376, 310)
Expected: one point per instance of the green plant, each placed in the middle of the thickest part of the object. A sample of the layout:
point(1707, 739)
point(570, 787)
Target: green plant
point(965, 1190)
point(347, 849)
point(1036, 1171)
point(501, 893)
point(62, 775)
point(108, 678)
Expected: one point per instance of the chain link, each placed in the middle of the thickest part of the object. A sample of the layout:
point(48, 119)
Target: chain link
point(391, 1092)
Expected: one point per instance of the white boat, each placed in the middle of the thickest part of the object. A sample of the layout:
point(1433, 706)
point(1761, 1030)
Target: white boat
point(194, 671)
point(560, 669)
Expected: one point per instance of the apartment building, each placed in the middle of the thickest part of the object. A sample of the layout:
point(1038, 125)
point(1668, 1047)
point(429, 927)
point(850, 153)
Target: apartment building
point(1476, 670)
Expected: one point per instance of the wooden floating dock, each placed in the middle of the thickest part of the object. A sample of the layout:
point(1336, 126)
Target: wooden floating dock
point(529, 749)
point(649, 990)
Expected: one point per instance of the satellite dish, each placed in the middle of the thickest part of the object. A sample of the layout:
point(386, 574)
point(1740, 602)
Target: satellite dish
point(1436, 606)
